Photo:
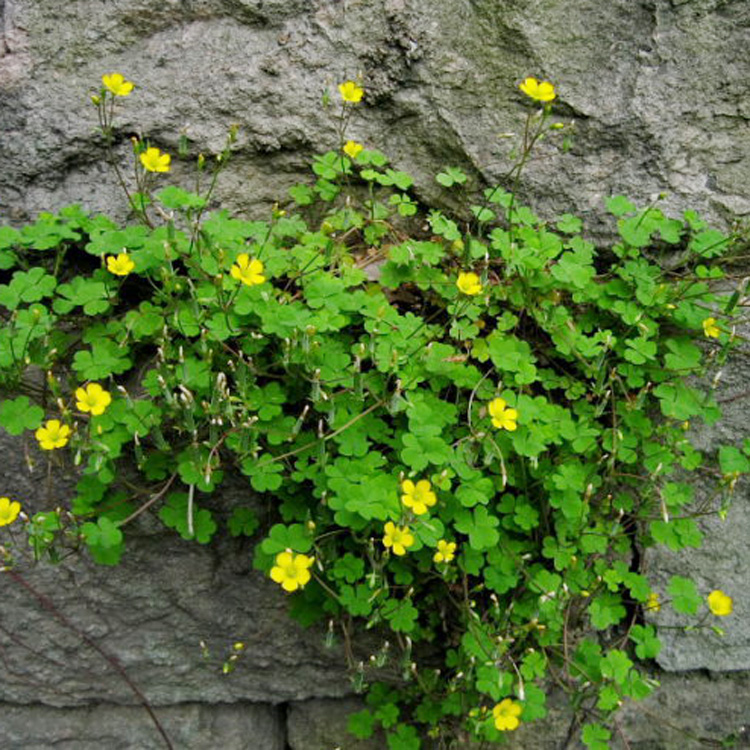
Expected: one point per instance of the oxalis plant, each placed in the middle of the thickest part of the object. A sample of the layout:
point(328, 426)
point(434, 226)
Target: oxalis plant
point(465, 429)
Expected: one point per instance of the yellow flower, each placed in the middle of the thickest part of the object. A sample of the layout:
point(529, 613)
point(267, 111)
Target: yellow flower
point(418, 497)
point(541, 91)
point(719, 603)
point(53, 435)
point(652, 603)
point(154, 160)
point(248, 271)
point(120, 265)
point(117, 84)
point(93, 398)
point(9, 511)
point(397, 537)
point(468, 283)
point(710, 329)
point(352, 149)
point(446, 551)
point(506, 715)
point(502, 418)
point(291, 571)
point(351, 92)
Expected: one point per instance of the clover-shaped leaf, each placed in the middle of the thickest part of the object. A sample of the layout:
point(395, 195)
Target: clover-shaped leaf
point(19, 414)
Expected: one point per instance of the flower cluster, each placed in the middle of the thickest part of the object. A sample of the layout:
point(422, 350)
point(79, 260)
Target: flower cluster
point(719, 603)
point(248, 270)
point(353, 149)
point(397, 538)
point(154, 160)
point(53, 435)
point(446, 551)
point(120, 265)
point(351, 92)
point(468, 283)
point(506, 715)
point(418, 497)
point(711, 329)
point(93, 398)
point(9, 510)
point(540, 91)
point(116, 84)
point(291, 571)
point(502, 417)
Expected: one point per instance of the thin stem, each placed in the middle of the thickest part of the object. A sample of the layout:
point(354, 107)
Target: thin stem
point(48, 605)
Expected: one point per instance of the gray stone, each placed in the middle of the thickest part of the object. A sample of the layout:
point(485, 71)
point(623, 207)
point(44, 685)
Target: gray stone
point(658, 92)
point(150, 615)
point(320, 724)
point(689, 711)
point(190, 726)
point(723, 560)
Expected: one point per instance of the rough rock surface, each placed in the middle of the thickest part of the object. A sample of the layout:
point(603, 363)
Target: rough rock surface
point(151, 614)
point(189, 726)
point(688, 712)
point(658, 90)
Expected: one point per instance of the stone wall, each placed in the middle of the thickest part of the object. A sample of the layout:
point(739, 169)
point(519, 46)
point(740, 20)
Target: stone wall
point(658, 91)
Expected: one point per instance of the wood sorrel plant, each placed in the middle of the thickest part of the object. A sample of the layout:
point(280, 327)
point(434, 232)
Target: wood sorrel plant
point(467, 453)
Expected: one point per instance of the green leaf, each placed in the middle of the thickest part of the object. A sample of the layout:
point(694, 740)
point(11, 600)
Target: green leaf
point(243, 522)
point(47, 232)
point(676, 534)
point(103, 533)
point(606, 610)
point(619, 205)
point(302, 195)
point(19, 414)
point(451, 176)
point(709, 243)
point(176, 198)
point(402, 615)
point(569, 224)
point(106, 555)
point(90, 491)
point(91, 295)
point(480, 526)
point(421, 450)
point(647, 645)
point(444, 227)
point(510, 354)
point(609, 698)
point(264, 475)
point(27, 286)
point(596, 737)
point(330, 165)
point(685, 597)
point(357, 600)
point(348, 568)
point(198, 466)
point(105, 358)
point(361, 724)
point(175, 515)
point(616, 666)
point(281, 537)
point(732, 461)
point(679, 401)
point(9, 238)
point(483, 214)
point(404, 738)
